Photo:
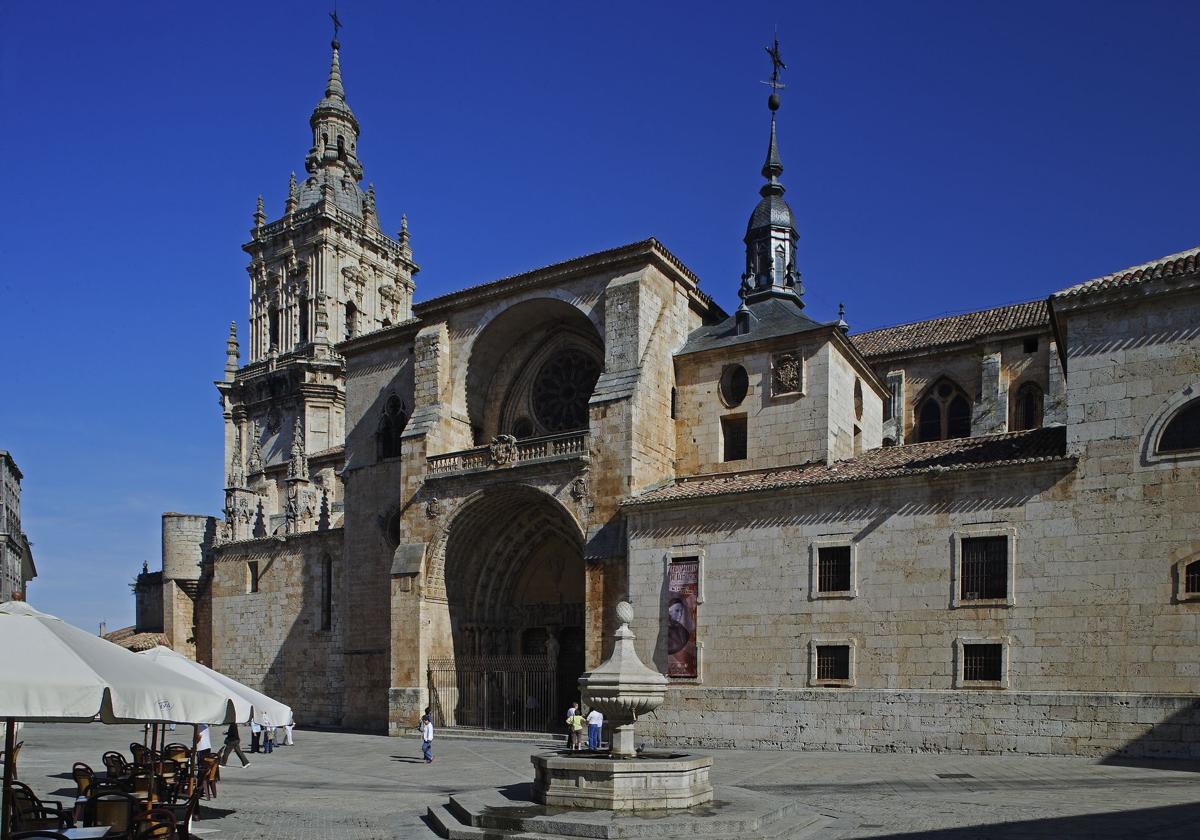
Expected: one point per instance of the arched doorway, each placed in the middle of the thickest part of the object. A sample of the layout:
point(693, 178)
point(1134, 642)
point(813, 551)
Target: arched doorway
point(514, 579)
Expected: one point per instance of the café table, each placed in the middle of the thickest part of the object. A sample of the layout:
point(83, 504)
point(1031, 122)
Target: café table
point(93, 833)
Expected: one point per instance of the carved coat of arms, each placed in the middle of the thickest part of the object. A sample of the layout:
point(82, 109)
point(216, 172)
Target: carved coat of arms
point(503, 449)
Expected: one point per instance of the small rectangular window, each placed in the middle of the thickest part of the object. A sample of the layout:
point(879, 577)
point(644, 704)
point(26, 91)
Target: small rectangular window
point(1031, 345)
point(326, 592)
point(733, 435)
point(983, 662)
point(984, 572)
point(252, 576)
point(833, 568)
point(1191, 578)
point(833, 662)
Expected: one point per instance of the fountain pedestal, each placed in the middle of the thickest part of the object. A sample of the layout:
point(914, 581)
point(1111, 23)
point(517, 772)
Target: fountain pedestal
point(623, 780)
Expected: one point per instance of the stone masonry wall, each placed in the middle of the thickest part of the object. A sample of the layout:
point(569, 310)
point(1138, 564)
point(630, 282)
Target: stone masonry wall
point(273, 640)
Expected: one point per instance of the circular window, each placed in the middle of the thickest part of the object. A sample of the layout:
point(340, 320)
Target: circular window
point(562, 388)
point(734, 385)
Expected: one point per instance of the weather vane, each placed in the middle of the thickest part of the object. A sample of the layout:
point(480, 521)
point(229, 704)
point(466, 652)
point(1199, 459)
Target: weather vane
point(776, 65)
point(337, 24)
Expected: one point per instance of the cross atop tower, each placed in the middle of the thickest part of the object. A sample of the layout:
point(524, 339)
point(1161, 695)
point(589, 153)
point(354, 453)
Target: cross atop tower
point(776, 65)
point(337, 24)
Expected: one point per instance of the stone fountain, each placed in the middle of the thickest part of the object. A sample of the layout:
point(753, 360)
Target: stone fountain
point(623, 689)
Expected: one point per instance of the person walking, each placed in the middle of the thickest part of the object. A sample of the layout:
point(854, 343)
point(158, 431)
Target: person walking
point(255, 734)
point(595, 722)
point(427, 736)
point(268, 733)
point(233, 743)
point(577, 722)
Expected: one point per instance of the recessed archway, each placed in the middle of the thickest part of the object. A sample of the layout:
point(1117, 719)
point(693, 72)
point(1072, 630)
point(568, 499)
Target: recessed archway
point(514, 583)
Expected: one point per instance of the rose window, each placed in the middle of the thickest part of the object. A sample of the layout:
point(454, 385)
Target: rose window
point(562, 388)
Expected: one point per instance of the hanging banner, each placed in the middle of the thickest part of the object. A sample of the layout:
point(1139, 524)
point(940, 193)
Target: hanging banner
point(682, 583)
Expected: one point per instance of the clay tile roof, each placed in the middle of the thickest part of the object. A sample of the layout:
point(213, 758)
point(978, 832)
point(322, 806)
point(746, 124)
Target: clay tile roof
point(1172, 265)
point(890, 462)
point(130, 639)
point(952, 329)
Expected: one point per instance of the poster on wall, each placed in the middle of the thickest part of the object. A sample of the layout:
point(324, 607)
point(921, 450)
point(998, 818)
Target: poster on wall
point(682, 581)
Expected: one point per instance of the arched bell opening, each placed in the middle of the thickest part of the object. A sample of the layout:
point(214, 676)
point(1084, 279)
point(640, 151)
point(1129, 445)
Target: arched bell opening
point(515, 593)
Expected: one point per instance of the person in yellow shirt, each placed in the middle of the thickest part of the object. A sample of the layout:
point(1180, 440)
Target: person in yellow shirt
point(576, 723)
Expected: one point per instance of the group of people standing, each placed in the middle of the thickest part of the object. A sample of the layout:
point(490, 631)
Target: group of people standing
point(262, 731)
point(576, 723)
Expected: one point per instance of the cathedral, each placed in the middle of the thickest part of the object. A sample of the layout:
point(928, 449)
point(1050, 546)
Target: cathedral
point(975, 533)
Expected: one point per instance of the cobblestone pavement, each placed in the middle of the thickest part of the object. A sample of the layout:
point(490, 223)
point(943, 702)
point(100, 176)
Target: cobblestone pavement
point(340, 786)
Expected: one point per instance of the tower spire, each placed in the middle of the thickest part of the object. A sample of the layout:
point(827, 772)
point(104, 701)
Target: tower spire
point(771, 234)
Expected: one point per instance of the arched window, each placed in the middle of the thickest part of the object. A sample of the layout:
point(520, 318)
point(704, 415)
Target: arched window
point(1182, 433)
point(273, 328)
point(351, 320)
point(341, 146)
point(391, 426)
point(780, 265)
point(1028, 408)
point(943, 413)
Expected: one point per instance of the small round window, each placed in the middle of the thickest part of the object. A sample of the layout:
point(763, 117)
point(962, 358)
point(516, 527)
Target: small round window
point(734, 385)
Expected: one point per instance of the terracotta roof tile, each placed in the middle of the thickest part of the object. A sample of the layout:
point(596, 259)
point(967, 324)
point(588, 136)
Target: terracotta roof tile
point(130, 639)
point(1172, 265)
point(890, 462)
point(952, 329)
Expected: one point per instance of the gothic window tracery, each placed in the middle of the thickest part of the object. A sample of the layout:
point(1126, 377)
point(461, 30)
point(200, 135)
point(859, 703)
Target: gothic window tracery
point(944, 413)
point(562, 388)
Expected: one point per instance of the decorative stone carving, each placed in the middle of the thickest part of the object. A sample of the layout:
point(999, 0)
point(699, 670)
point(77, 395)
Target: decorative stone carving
point(579, 488)
point(274, 421)
point(503, 450)
point(254, 463)
point(354, 282)
point(786, 373)
point(236, 475)
point(298, 463)
point(433, 507)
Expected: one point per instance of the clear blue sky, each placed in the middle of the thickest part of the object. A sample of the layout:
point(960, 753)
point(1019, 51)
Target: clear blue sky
point(940, 156)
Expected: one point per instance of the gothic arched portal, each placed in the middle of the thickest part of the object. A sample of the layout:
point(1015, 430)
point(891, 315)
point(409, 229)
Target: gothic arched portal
point(514, 586)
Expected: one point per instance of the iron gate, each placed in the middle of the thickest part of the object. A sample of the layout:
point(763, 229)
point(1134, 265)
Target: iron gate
point(511, 693)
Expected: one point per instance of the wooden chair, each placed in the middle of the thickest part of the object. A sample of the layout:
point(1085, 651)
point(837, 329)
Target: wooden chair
point(84, 776)
point(172, 777)
point(184, 813)
point(138, 751)
point(140, 782)
point(112, 809)
point(155, 824)
point(177, 752)
point(210, 768)
point(32, 814)
point(115, 765)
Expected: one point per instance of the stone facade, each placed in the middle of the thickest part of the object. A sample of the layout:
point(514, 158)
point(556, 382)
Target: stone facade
point(974, 533)
point(16, 557)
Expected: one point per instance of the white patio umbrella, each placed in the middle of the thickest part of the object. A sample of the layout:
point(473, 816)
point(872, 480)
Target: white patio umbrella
point(246, 701)
point(58, 673)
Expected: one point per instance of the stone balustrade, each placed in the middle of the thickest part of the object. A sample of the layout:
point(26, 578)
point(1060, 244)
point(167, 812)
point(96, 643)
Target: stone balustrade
point(506, 451)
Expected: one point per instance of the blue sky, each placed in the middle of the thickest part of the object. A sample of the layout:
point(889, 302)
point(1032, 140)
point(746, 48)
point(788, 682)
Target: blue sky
point(940, 157)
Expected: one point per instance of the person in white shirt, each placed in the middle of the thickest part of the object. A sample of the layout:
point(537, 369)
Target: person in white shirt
point(287, 734)
point(595, 722)
point(268, 733)
point(427, 736)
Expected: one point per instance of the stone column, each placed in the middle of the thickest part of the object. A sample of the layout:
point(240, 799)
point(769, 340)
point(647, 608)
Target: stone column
point(991, 408)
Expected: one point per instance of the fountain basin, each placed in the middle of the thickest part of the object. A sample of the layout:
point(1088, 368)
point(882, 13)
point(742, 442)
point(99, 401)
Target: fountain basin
point(637, 783)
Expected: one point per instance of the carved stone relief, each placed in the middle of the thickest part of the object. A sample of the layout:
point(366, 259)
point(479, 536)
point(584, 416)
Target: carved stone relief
point(786, 373)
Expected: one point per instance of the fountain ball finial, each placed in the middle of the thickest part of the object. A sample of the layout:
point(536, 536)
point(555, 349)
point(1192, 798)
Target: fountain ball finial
point(625, 612)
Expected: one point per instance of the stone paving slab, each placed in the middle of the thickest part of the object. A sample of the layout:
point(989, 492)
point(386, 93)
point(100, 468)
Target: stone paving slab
point(347, 786)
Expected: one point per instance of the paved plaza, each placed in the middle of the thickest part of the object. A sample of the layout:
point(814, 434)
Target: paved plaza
point(340, 786)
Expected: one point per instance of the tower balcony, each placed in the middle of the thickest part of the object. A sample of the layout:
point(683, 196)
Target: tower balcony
point(505, 452)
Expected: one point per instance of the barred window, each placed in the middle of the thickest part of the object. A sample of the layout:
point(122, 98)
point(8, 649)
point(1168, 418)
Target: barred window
point(1191, 578)
point(833, 568)
point(833, 662)
point(983, 662)
point(984, 568)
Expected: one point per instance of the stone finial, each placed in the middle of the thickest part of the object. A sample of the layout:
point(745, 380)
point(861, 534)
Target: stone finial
point(841, 321)
point(369, 202)
point(403, 235)
point(232, 352)
point(298, 463)
point(260, 216)
point(236, 475)
point(293, 198)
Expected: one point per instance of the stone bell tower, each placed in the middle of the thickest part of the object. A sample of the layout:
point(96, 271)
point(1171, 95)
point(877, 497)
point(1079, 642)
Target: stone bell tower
point(321, 273)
